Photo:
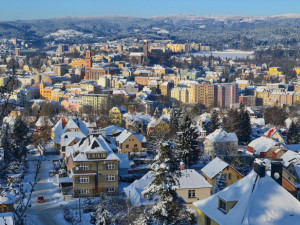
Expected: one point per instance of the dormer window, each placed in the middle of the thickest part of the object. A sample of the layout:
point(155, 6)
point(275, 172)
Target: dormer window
point(222, 205)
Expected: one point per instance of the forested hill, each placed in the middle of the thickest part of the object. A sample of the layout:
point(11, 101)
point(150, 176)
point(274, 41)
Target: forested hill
point(241, 32)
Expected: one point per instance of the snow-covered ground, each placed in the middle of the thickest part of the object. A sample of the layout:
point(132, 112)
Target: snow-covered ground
point(51, 211)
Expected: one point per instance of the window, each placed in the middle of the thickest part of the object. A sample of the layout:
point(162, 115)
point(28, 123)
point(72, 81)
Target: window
point(127, 146)
point(207, 220)
point(84, 179)
point(238, 176)
point(192, 194)
point(222, 205)
point(110, 178)
point(135, 145)
point(83, 167)
point(84, 191)
point(229, 176)
point(110, 166)
point(110, 189)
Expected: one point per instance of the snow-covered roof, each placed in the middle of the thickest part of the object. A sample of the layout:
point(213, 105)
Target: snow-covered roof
point(108, 131)
point(258, 121)
point(123, 136)
point(44, 121)
point(189, 178)
point(7, 198)
point(68, 137)
point(214, 167)
point(124, 161)
point(221, 135)
point(260, 201)
point(7, 218)
point(262, 144)
point(289, 157)
point(93, 145)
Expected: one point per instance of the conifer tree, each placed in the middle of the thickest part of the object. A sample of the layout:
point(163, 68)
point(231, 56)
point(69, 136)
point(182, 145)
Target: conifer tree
point(220, 183)
point(245, 137)
point(173, 124)
point(20, 140)
point(214, 122)
point(187, 148)
point(292, 135)
point(168, 207)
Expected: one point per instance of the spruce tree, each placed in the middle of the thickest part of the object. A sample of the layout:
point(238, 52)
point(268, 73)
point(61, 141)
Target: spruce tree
point(292, 135)
point(187, 148)
point(20, 140)
point(214, 122)
point(168, 207)
point(245, 137)
point(173, 124)
point(220, 183)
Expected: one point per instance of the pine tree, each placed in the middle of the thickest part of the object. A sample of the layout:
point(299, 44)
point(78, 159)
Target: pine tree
point(168, 207)
point(214, 122)
point(220, 183)
point(292, 135)
point(187, 148)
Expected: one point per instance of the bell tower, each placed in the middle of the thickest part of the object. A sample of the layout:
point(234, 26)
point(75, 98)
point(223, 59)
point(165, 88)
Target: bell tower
point(88, 65)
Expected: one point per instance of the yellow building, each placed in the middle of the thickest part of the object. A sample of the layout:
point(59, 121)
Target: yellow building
point(78, 63)
point(116, 114)
point(128, 142)
point(45, 92)
point(158, 126)
point(212, 170)
point(275, 71)
point(297, 70)
point(180, 95)
point(3, 81)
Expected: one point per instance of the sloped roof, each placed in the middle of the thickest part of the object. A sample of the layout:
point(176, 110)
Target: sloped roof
point(44, 121)
point(262, 144)
point(289, 157)
point(221, 135)
point(260, 201)
point(214, 167)
point(189, 179)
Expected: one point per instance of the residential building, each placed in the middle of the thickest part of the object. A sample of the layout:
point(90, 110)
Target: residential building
point(128, 142)
point(217, 166)
point(94, 167)
point(116, 114)
point(96, 101)
point(256, 199)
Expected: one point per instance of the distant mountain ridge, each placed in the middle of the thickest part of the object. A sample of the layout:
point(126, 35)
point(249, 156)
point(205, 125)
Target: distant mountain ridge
point(243, 32)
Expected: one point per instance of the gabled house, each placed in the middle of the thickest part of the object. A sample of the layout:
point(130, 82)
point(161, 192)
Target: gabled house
point(159, 126)
point(116, 114)
point(94, 167)
point(260, 146)
point(276, 135)
point(192, 186)
point(220, 143)
point(257, 199)
point(43, 128)
point(217, 166)
point(67, 125)
point(69, 139)
point(128, 142)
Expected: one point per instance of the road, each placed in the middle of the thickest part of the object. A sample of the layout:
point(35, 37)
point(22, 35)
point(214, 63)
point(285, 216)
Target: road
point(50, 212)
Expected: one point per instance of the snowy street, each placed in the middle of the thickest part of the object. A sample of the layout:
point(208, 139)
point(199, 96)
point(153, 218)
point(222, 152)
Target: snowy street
point(50, 212)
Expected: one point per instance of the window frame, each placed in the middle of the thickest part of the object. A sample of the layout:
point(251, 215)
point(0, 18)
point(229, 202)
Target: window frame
point(110, 178)
point(84, 179)
point(191, 193)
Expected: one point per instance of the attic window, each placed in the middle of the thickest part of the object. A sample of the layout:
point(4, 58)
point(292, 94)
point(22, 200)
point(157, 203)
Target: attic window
point(95, 145)
point(222, 205)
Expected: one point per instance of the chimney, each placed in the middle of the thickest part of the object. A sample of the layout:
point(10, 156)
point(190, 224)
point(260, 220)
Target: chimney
point(276, 170)
point(181, 166)
point(113, 132)
point(63, 122)
point(260, 168)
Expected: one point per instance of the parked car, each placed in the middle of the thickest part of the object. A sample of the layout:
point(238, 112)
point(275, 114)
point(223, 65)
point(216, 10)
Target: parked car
point(40, 199)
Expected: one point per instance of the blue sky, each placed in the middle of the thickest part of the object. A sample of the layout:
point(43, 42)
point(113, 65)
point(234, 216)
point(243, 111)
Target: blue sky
point(35, 9)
